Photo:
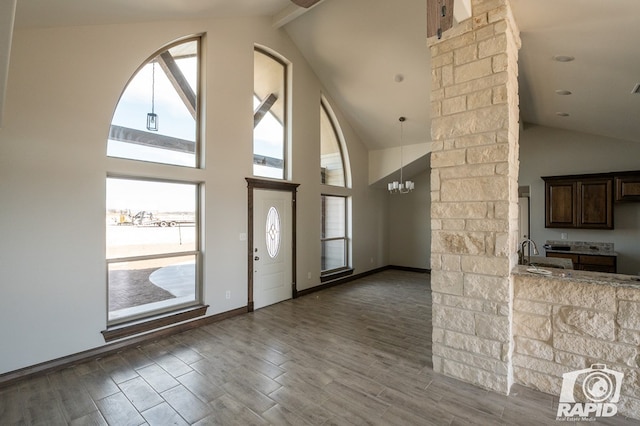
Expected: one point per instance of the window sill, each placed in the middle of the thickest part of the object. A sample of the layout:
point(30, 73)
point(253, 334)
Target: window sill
point(334, 275)
point(149, 324)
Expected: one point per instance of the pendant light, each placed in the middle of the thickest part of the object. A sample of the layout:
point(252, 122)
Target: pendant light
point(402, 187)
point(152, 117)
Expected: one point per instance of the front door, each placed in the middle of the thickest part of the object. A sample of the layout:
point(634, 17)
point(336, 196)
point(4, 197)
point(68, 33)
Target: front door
point(272, 247)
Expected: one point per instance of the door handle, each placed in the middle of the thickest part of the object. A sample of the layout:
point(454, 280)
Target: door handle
point(256, 258)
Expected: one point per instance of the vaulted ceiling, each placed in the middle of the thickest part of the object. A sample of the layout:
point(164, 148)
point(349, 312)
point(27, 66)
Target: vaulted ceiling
point(371, 55)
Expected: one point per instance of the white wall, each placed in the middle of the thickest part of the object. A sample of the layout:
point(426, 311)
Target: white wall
point(410, 225)
point(63, 87)
point(549, 152)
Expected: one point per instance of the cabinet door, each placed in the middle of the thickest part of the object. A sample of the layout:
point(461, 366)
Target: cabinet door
point(596, 205)
point(598, 263)
point(628, 188)
point(575, 259)
point(560, 199)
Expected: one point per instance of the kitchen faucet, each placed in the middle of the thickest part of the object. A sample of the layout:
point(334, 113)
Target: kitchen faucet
point(521, 251)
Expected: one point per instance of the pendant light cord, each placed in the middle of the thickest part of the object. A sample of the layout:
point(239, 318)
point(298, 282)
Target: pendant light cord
point(401, 119)
point(153, 87)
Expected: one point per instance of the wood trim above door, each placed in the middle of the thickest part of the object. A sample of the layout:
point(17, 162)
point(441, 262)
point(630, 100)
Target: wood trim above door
point(252, 184)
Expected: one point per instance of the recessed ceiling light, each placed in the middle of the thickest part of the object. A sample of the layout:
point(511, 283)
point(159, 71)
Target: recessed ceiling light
point(398, 78)
point(563, 58)
point(562, 114)
point(563, 92)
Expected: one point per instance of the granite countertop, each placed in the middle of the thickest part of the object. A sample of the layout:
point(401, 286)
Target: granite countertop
point(576, 250)
point(582, 247)
point(552, 262)
point(600, 278)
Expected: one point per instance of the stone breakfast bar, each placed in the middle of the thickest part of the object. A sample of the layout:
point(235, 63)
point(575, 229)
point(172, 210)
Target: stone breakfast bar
point(570, 320)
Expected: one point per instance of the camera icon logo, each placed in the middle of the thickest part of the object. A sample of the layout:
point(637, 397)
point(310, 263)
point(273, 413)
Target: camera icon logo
point(591, 391)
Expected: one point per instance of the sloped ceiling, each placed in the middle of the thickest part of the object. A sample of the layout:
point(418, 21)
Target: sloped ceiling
point(602, 37)
point(358, 47)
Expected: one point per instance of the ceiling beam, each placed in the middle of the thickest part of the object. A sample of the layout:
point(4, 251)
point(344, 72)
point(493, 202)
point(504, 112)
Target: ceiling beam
point(179, 81)
point(154, 140)
point(291, 13)
point(263, 109)
point(262, 160)
point(305, 3)
point(439, 17)
point(7, 17)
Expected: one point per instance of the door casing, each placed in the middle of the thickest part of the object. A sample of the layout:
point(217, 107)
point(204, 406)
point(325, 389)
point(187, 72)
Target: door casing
point(252, 184)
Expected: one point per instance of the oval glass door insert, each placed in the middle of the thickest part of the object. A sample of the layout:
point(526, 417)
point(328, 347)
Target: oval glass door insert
point(272, 237)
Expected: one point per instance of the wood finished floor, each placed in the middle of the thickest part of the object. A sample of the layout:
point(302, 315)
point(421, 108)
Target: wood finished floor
point(359, 353)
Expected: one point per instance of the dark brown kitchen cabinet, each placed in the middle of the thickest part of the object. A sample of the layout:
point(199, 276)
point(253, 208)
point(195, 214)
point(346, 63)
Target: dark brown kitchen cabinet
point(628, 186)
point(579, 202)
point(589, 262)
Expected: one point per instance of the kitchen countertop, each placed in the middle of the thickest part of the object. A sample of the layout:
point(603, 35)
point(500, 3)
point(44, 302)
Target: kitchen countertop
point(552, 262)
point(600, 278)
point(591, 248)
point(584, 251)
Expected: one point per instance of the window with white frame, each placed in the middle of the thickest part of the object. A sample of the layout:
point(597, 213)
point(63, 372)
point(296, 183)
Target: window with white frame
point(335, 201)
point(331, 157)
point(152, 246)
point(269, 115)
point(152, 222)
point(334, 237)
point(156, 119)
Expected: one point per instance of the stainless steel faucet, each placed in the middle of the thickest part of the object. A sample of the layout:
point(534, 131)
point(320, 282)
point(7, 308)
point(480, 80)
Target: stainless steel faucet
point(521, 251)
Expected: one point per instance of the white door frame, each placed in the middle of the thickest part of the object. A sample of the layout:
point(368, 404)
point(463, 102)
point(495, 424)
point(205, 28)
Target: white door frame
point(252, 184)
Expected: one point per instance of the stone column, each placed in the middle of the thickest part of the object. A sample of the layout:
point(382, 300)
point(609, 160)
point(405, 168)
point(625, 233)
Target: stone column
point(474, 192)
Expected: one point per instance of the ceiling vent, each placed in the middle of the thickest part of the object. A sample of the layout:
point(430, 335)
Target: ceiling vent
point(636, 89)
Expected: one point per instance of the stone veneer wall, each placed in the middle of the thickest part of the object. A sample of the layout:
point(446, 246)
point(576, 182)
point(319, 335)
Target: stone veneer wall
point(561, 326)
point(474, 195)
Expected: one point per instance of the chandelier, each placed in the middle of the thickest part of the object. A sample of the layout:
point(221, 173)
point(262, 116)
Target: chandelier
point(402, 187)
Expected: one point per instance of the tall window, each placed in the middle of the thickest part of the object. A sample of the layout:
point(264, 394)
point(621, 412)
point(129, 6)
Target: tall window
point(269, 115)
point(331, 158)
point(152, 246)
point(152, 223)
point(334, 234)
point(335, 205)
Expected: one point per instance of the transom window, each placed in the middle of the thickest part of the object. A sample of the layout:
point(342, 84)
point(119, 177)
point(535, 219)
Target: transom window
point(331, 156)
point(269, 115)
point(156, 116)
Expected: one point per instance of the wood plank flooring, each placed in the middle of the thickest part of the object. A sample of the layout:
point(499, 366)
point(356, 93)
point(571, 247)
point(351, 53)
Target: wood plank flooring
point(359, 353)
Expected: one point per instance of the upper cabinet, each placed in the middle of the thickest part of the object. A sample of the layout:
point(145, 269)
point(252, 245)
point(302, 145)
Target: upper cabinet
point(628, 186)
point(561, 203)
point(584, 201)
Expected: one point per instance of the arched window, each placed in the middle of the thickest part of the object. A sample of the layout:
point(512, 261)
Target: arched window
point(332, 161)
point(152, 222)
point(156, 118)
point(269, 115)
point(335, 237)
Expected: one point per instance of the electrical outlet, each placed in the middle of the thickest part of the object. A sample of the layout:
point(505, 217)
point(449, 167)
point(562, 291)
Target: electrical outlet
point(564, 235)
point(228, 294)
point(308, 275)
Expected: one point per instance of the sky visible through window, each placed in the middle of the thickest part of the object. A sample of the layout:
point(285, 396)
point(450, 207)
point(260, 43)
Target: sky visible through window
point(268, 141)
point(150, 89)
